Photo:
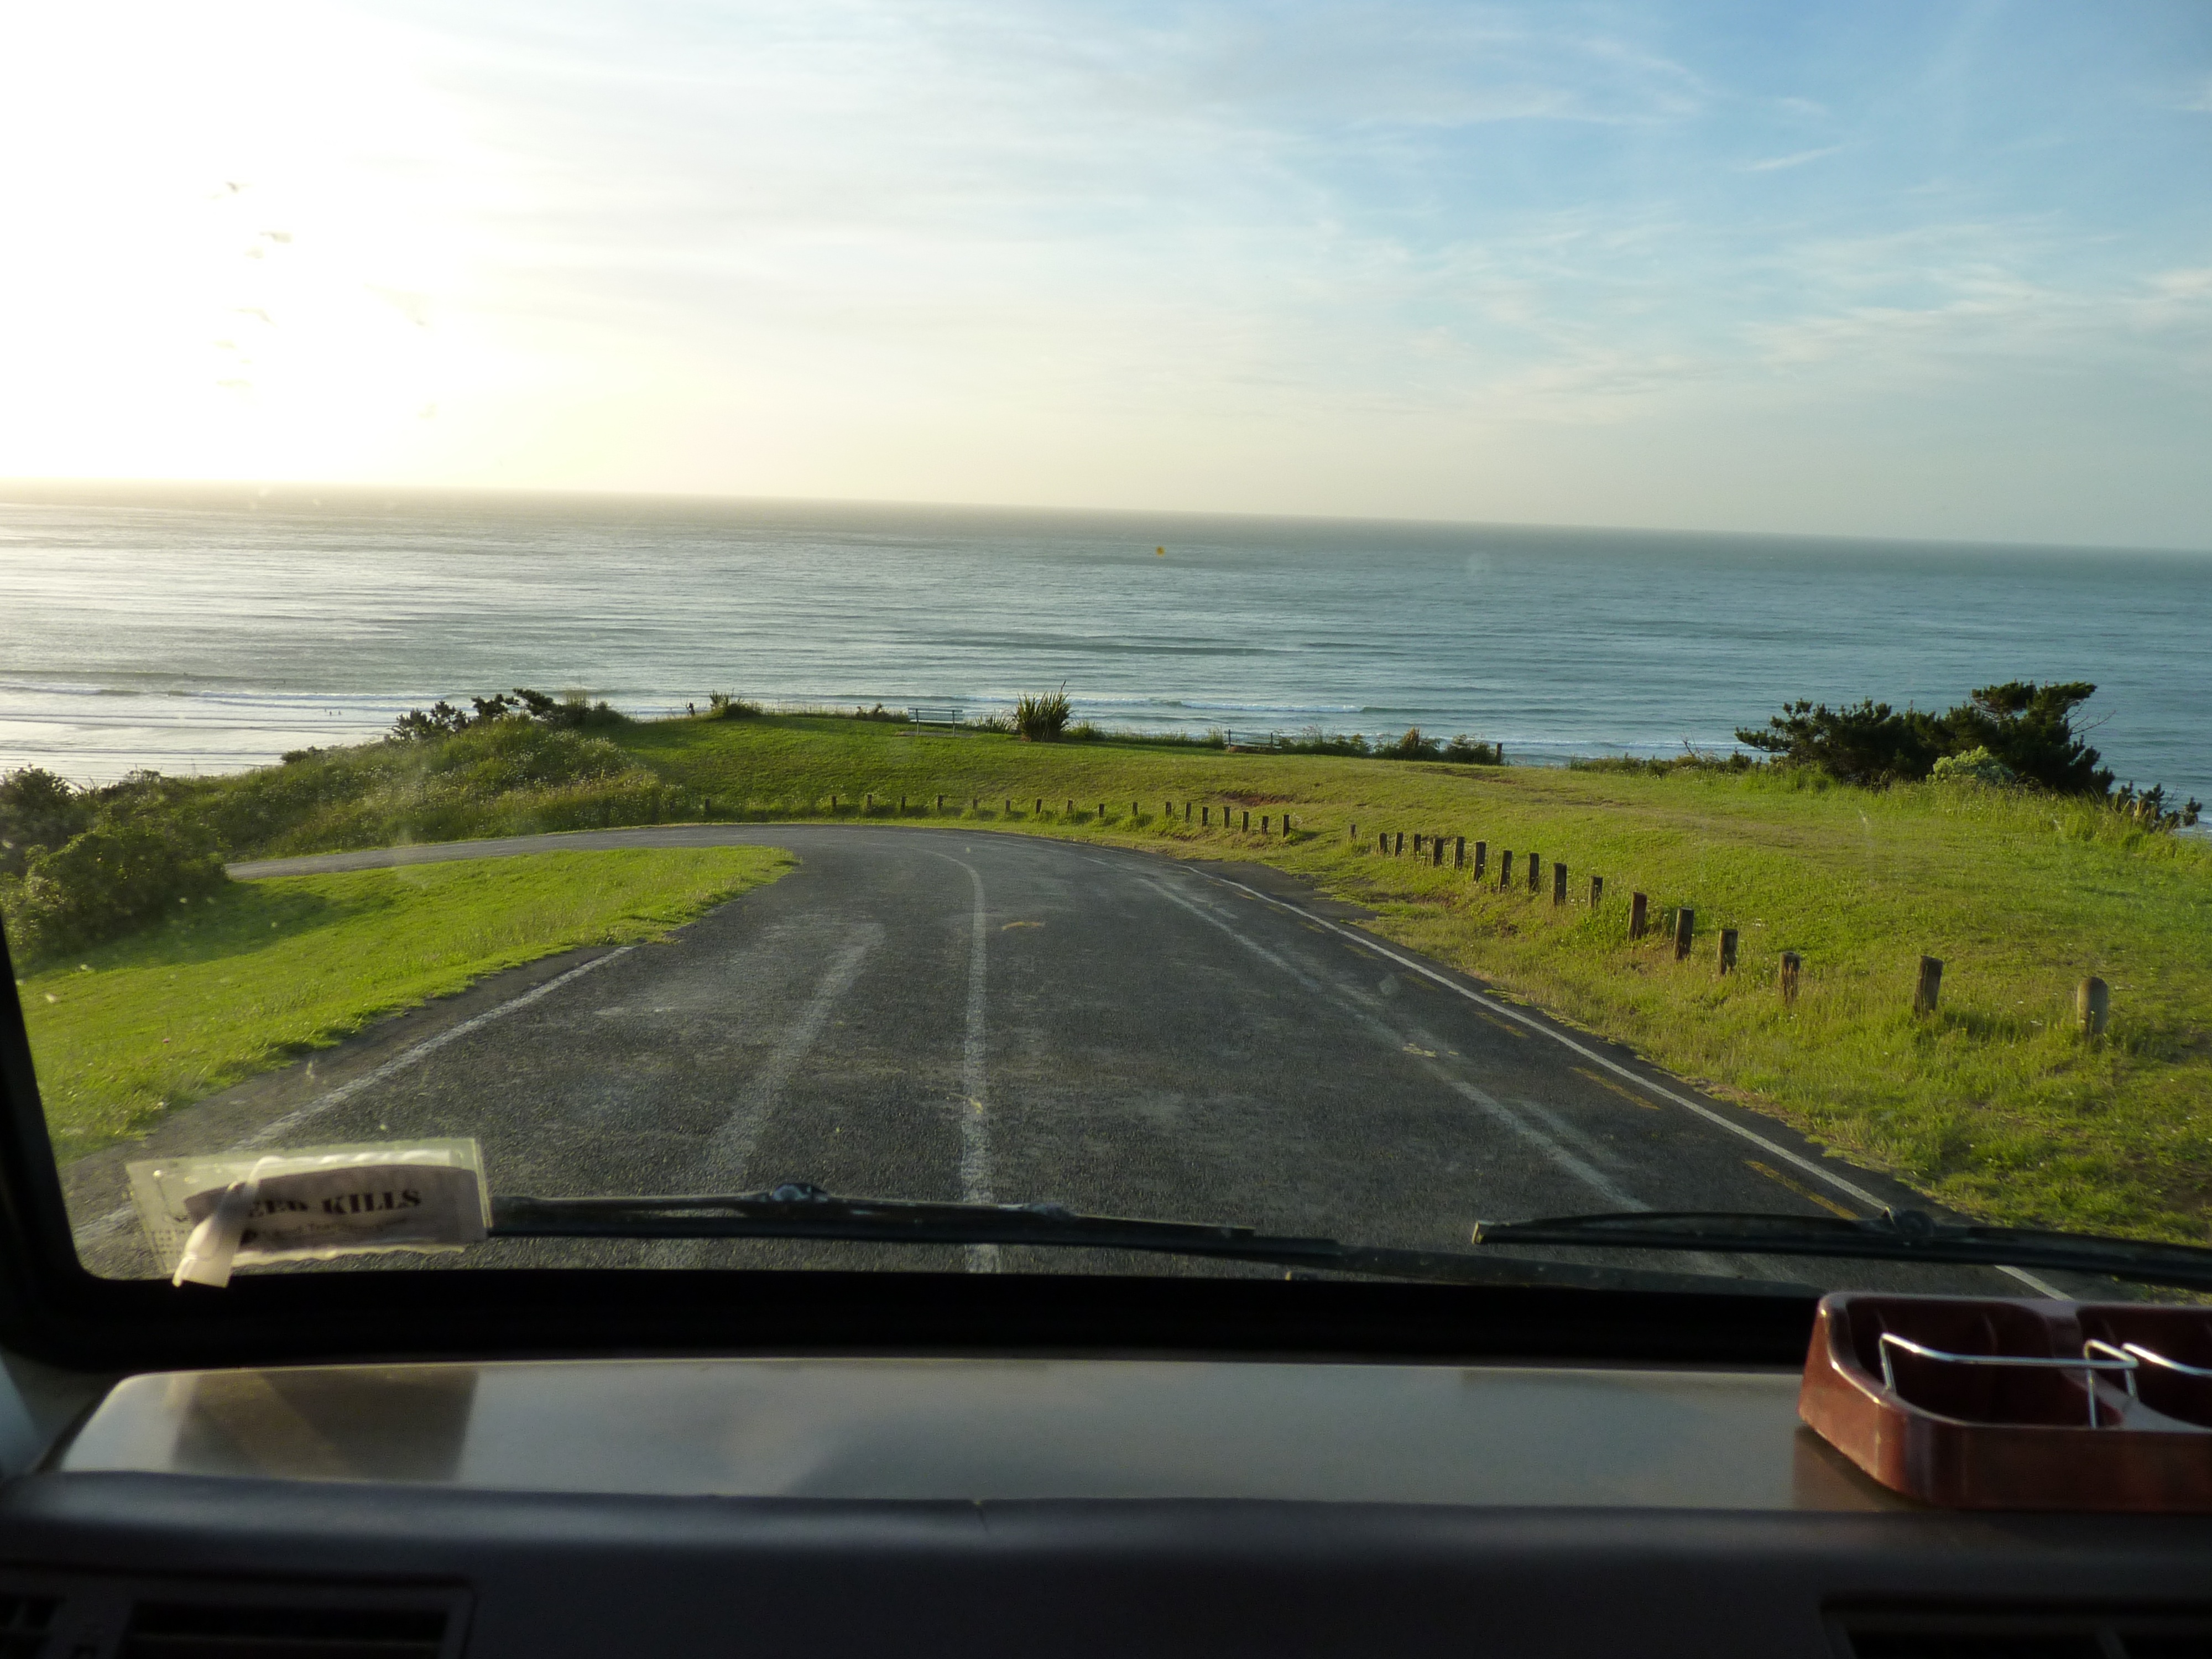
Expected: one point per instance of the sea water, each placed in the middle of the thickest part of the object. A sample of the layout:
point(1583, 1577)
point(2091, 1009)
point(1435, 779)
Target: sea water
point(216, 632)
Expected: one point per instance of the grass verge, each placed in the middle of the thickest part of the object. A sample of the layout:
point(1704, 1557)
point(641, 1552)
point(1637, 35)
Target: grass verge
point(269, 970)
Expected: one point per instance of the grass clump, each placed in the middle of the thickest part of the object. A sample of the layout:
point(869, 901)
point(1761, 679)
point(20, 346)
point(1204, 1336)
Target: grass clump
point(1043, 717)
point(269, 970)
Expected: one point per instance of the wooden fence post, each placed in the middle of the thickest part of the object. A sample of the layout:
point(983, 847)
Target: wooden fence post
point(1793, 966)
point(1558, 884)
point(1459, 851)
point(1597, 890)
point(1928, 987)
point(1728, 950)
point(1264, 817)
point(1639, 915)
point(940, 803)
point(1535, 872)
point(1482, 858)
point(1244, 824)
point(1206, 817)
point(1686, 921)
point(1436, 852)
point(1399, 850)
point(2093, 1005)
point(1505, 868)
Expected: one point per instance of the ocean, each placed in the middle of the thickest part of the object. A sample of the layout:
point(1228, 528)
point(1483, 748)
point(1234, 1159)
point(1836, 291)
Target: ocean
point(209, 632)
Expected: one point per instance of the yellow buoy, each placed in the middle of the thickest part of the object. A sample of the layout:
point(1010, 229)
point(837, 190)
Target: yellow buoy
point(1160, 552)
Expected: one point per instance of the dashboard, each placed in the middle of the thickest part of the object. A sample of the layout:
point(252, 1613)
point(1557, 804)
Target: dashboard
point(1033, 1506)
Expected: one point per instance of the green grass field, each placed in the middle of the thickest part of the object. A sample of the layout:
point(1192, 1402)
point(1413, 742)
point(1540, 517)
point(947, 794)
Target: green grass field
point(271, 970)
point(1996, 1105)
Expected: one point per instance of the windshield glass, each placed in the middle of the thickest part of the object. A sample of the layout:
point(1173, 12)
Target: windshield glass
point(1358, 625)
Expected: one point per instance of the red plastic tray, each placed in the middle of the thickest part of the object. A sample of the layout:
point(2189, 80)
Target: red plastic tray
point(1995, 1404)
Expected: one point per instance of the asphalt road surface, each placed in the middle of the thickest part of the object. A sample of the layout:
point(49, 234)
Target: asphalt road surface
point(951, 1014)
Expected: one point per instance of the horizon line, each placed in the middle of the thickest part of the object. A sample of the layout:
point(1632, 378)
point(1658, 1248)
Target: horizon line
point(61, 491)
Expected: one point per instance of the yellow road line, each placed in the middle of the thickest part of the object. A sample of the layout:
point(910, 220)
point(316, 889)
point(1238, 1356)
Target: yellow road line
point(1607, 1083)
point(1801, 1190)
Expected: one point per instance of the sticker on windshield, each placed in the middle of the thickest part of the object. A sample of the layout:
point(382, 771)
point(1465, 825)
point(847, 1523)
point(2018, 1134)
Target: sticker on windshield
point(206, 1216)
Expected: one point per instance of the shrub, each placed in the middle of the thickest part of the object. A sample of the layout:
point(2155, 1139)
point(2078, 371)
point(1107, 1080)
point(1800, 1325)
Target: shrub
point(38, 809)
point(721, 705)
point(1868, 742)
point(1412, 746)
point(2148, 808)
point(113, 879)
point(442, 719)
point(1475, 751)
point(1043, 718)
point(1975, 766)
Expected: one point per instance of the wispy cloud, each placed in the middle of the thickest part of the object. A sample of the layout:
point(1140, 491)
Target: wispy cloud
point(1777, 163)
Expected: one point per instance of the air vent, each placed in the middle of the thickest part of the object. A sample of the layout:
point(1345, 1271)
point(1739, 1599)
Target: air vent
point(2085, 1635)
point(24, 1621)
point(199, 1630)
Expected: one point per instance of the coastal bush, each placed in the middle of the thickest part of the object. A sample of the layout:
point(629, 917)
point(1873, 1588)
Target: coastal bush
point(108, 881)
point(721, 705)
point(2021, 729)
point(442, 719)
point(38, 809)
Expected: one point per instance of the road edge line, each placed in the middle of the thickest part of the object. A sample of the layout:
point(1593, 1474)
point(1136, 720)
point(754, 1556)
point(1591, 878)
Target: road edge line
point(1850, 1189)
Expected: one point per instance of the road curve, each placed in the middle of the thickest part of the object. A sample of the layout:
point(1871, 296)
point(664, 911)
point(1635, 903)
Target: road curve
point(947, 1014)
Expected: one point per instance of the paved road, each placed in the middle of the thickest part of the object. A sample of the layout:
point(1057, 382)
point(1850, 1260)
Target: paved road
point(949, 1014)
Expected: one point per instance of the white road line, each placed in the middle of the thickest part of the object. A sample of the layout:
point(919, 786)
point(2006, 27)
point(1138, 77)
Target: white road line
point(975, 1116)
point(399, 1062)
point(1573, 1164)
point(1368, 941)
point(731, 1147)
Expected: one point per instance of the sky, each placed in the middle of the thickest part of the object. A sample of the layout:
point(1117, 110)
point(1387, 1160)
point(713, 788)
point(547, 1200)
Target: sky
point(1919, 269)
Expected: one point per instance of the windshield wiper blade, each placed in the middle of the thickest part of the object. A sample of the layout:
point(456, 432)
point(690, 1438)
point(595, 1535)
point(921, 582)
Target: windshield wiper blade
point(796, 1209)
point(1893, 1236)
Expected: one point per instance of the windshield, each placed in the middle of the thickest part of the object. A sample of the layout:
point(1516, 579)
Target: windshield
point(1355, 626)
